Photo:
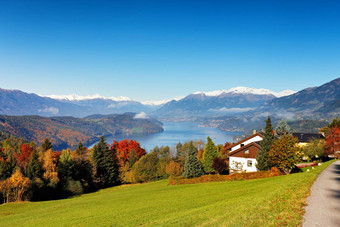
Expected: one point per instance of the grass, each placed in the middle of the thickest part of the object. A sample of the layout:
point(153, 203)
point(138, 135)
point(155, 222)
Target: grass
point(261, 202)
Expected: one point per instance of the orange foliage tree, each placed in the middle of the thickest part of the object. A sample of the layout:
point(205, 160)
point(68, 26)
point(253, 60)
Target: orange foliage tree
point(174, 169)
point(124, 149)
point(332, 144)
point(23, 158)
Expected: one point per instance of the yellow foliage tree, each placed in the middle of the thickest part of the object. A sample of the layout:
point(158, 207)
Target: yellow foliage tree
point(50, 167)
point(14, 188)
point(174, 169)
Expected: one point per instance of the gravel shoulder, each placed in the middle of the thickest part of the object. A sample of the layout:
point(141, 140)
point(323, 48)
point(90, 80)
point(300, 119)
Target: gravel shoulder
point(323, 205)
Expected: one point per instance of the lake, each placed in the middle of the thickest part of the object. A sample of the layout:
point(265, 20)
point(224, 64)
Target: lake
point(175, 132)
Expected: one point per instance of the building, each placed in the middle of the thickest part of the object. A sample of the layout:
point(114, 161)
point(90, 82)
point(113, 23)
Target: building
point(242, 156)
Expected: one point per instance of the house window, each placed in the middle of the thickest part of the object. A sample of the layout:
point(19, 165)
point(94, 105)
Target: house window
point(250, 163)
point(246, 151)
point(242, 144)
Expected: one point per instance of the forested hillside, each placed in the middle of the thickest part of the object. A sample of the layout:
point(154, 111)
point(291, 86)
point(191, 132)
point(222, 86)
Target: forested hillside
point(68, 131)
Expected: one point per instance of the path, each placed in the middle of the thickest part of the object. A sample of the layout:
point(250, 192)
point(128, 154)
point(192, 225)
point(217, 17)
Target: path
point(323, 207)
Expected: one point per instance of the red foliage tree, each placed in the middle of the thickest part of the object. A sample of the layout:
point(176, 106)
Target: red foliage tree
point(125, 147)
point(332, 144)
point(23, 158)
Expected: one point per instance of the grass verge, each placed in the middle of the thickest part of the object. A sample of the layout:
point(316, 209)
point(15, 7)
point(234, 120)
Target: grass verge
point(272, 201)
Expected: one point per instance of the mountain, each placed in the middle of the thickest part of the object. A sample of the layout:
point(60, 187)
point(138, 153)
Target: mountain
point(66, 132)
point(216, 103)
point(15, 102)
point(323, 100)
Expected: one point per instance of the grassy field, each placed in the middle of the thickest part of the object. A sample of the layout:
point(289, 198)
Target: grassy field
point(263, 202)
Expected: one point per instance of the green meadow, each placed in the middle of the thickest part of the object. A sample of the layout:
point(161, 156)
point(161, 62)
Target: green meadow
point(261, 202)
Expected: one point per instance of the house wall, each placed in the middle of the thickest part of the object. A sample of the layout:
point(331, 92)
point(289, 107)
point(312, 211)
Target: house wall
point(254, 139)
point(244, 162)
point(252, 152)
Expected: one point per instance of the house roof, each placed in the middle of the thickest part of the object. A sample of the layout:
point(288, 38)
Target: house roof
point(244, 148)
point(306, 137)
point(249, 137)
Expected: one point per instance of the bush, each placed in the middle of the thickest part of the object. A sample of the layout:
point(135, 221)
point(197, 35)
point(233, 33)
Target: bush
point(220, 165)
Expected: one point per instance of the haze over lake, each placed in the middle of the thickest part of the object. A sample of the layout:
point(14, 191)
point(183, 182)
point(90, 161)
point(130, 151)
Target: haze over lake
point(175, 132)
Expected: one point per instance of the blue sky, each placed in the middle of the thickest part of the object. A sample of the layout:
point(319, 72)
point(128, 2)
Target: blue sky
point(153, 50)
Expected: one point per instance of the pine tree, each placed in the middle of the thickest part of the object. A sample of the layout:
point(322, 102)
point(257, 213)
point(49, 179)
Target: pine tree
point(80, 149)
point(66, 164)
point(105, 164)
point(46, 145)
point(210, 152)
point(192, 167)
point(34, 167)
point(282, 129)
point(266, 143)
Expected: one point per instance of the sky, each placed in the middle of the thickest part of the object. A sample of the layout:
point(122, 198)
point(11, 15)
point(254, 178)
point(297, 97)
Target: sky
point(154, 50)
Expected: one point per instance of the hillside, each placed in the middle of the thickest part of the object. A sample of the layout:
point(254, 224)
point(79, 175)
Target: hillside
point(68, 131)
point(276, 201)
point(323, 100)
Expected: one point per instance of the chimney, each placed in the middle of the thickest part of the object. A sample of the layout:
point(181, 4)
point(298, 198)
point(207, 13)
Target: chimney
point(254, 131)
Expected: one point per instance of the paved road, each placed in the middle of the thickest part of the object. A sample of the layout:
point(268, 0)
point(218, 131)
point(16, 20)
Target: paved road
point(323, 207)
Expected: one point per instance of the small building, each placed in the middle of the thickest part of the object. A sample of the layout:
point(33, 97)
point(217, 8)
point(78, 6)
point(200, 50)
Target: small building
point(242, 156)
point(305, 138)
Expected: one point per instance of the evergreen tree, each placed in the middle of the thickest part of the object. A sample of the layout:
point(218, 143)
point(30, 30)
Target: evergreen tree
point(192, 167)
point(210, 152)
point(266, 143)
point(282, 129)
point(80, 149)
point(46, 145)
point(34, 167)
point(66, 164)
point(105, 164)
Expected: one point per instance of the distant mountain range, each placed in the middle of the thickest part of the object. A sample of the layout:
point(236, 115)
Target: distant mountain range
point(323, 101)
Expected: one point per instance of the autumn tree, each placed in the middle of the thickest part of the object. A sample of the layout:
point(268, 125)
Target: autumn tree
point(174, 169)
point(220, 165)
point(284, 153)
point(125, 147)
point(192, 167)
point(50, 168)
point(210, 152)
point(332, 141)
point(23, 157)
point(14, 188)
point(266, 143)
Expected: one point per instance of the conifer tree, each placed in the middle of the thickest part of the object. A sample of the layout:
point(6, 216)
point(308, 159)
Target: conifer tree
point(282, 129)
point(266, 143)
point(34, 167)
point(46, 145)
point(210, 152)
point(105, 164)
point(66, 164)
point(80, 149)
point(192, 167)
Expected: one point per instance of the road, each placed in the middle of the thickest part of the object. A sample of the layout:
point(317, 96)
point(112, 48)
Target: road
point(323, 205)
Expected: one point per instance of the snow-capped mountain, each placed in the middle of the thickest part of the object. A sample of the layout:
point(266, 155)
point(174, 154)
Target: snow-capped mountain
point(247, 90)
point(74, 97)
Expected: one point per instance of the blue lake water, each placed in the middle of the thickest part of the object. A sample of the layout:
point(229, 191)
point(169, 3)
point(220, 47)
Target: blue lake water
point(175, 132)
